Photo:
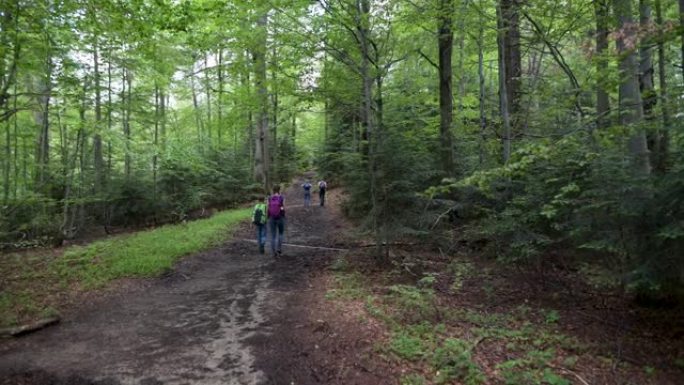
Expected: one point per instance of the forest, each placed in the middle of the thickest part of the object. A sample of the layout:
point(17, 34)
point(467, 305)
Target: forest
point(506, 189)
point(536, 130)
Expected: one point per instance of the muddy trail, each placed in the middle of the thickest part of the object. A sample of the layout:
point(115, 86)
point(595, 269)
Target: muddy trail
point(225, 316)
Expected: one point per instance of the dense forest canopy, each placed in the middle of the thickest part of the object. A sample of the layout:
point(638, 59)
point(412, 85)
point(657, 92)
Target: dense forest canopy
point(537, 130)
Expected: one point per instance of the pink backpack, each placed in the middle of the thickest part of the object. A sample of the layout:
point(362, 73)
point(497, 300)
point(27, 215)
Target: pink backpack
point(275, 202)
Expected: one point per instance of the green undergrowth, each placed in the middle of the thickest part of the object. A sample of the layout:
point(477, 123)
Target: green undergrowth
point(436, 343)
point(36, 279)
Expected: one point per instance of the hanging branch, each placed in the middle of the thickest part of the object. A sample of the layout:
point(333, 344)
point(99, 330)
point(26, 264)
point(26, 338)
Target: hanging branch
point(560, 60)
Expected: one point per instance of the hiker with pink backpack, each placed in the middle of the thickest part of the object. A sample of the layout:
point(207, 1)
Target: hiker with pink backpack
point(276, 220)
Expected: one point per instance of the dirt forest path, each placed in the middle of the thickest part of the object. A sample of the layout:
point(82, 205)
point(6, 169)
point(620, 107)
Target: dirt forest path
point(225, 316)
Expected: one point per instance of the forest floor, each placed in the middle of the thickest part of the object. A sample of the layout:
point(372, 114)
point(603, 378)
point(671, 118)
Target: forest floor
point(319, 315)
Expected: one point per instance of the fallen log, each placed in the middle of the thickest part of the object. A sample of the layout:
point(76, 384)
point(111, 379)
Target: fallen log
point(17, 331)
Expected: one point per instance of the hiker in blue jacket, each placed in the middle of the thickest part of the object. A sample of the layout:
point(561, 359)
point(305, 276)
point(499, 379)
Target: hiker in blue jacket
point(276, 220)
point(307, 193)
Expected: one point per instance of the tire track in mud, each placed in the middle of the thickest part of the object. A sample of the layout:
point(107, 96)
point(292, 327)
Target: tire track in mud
point(194, 326)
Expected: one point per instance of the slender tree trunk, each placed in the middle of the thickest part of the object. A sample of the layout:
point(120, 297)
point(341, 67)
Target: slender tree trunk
point(43, 123)
point(445, 37)
point(503, 89)
point(7, 161)
point(207, 88)
point(156, 145)
point(110, 108)
point(481, 77)
point(274, 100)
point(98, 159)
point(662, 148)
point(510, 25)
point(198, 113)
point(126, 104)
point(681, 31)
point(631, 107)
point(262, 155)
point(646, 80)
point(219, 102)
point(602, 10)
point(646, 71)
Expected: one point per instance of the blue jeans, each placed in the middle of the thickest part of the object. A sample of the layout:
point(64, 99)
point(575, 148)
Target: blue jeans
point(279, 224)
point(261, 235)
point(307, 199)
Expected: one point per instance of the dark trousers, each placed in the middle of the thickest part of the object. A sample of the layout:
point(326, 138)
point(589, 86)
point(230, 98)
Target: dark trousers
point(279, 225)
point(321, 197)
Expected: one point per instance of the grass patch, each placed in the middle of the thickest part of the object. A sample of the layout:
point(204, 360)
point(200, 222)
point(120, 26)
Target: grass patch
point(35, 280)
point(144, 254)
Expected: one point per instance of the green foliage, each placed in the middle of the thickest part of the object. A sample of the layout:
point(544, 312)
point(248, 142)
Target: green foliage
point(406, 346)
point(555, 196)
point(413, 379)
point(413, 304)
point(143, 254)
point(453, 361)
point(348, 285)
point(531, 369)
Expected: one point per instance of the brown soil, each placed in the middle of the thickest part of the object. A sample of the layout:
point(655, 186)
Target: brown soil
point(225, 316)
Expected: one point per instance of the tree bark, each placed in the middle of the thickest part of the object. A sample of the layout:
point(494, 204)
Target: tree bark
point(126, 104)
point(98, 159)
point(219, 101)
point(510, 23)
point(207, 88)
point(482, 95)
point(261, 154)
point(631, 107)
point(42, 121)
point(681, 31)
point(445, 40)
point(646, 71)
point(504, 104)
point(602, 10)
point(662, 148)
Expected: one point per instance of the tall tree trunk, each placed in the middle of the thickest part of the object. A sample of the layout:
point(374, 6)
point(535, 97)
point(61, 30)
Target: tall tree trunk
point(156, 145)
point(662, 148)
point(504, 104)
point(42, 121)
point(510, 23)
point(602, 10)
point(110, 108)
point(445, 37)
point(681, 31)
point(207, 88)
point(98, 159)
point(126, 104)
point(7, 162)
point(646, 79)
point(274, 105)
point(261, 154)
point(219, 101)
point(198, 113)
point(646, 71)
point(482, 95)
point(631, 107)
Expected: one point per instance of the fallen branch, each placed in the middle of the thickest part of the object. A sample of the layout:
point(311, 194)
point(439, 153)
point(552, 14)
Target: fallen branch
point(29, 328)
point(577, 376)
point(302, 246)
